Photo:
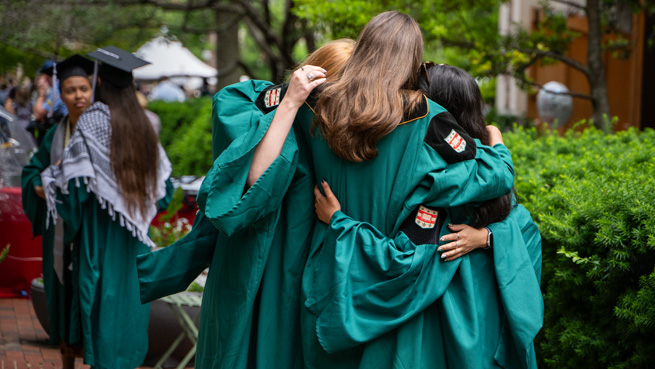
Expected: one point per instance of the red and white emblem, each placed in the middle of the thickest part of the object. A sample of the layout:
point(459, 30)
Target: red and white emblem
point(426, 218)
point(272, 97)
point(456, 141)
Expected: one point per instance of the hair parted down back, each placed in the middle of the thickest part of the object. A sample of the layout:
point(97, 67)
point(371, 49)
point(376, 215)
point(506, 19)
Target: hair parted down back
point(134, 150)
point(377, 86)
point(332, 57)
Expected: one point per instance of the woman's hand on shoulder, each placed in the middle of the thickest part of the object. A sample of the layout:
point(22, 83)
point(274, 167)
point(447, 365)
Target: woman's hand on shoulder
point(326, 205)
point(302, 82)
point(464, 240)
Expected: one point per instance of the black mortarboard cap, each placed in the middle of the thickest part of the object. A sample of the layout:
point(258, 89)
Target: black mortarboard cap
point(75, 65)
point(117, 65)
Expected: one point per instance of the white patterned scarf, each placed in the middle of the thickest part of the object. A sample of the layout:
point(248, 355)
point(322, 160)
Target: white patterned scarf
point(88, 157)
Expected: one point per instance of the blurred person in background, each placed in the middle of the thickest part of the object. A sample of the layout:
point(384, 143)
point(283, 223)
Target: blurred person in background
point(76, 94)
point(167, 91)
point(48, 108)
point(5, 86)
point(152, 117)
point(20, 105)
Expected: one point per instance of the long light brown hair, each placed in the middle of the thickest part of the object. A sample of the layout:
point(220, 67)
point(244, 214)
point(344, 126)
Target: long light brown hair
point(134, 147)
point(375, 89)
point(332, 56)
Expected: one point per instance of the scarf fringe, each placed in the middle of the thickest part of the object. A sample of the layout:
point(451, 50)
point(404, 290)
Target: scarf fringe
point(83, 157)
point(104, 204)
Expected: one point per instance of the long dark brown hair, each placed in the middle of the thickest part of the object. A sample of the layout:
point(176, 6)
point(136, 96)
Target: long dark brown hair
point(134, 147)
point(454, 89)
point(375, 89)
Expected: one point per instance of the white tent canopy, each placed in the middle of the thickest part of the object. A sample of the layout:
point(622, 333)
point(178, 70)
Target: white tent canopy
point(169, 59)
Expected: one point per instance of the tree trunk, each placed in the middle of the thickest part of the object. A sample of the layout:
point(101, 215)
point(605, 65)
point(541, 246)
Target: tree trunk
point(597, 81)
point(227, 49)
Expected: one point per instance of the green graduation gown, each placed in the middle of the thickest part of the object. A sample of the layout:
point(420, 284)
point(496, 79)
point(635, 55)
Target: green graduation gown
point(36, 211)
point(234, 330)
point(114, 323)
point(98, 306)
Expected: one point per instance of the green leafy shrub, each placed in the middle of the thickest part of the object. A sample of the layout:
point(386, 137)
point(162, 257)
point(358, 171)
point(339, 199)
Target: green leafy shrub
point(592, 195)
point(186, 134)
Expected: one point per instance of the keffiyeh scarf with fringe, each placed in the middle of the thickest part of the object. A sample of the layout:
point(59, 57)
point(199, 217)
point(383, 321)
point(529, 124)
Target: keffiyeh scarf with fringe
point(87, 158)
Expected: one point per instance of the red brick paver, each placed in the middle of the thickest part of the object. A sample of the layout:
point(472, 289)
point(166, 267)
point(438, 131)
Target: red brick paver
point(23, 343)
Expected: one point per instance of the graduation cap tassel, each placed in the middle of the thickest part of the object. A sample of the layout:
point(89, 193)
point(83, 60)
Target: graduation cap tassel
point(95, 79)
point(55, 91)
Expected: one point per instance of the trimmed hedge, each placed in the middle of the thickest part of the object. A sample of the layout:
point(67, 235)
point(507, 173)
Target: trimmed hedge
point(593, 197)
point(186, 134)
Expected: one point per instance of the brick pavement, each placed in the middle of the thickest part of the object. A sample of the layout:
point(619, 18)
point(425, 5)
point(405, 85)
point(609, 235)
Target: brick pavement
point(23, 343)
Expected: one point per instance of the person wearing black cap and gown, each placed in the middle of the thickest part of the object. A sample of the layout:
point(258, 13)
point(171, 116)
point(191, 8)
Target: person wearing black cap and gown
point(106, 190)
point(75, 91)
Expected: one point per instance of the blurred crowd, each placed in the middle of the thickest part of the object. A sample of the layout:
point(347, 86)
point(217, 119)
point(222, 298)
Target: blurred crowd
point(36, 105)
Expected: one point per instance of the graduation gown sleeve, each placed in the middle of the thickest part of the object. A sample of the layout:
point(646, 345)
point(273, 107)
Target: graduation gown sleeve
point(189, 256)
point(34, 206)
point(380, 283)
point(517, 265)
point(224, 196)
point(490, 174)
point(36, 211)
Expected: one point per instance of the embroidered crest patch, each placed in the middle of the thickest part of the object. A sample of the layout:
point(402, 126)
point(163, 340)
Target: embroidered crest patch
point(272, 97)
point(456, 141)
point(426, 218)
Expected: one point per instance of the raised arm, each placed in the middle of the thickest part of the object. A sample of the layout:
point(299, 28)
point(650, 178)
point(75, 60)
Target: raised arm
point(302, 82)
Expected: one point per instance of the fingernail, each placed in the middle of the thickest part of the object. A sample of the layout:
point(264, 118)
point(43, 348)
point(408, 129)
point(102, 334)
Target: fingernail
point(323, 180)
point(440, 249)
point(442, 238)
point(450, 224)
point(443, 256)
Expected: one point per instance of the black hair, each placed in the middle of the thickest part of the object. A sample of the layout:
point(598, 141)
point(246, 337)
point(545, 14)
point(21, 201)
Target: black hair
point(455, 90)
point(134, 147)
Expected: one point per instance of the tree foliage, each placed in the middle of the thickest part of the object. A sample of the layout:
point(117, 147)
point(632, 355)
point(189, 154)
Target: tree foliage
point(60, 27)
point(54, 28)
point(471, 27)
